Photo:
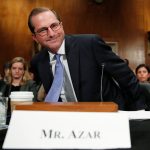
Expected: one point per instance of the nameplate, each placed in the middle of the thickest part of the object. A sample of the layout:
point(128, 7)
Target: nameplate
point(67, 130)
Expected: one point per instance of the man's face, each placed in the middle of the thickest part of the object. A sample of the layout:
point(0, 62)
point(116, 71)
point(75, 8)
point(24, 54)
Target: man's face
point(48, 30)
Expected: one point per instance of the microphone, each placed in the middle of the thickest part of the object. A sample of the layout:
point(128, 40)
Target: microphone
point(101, 86)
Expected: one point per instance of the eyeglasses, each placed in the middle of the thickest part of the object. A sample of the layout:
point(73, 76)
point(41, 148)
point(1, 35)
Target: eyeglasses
point(44, 31)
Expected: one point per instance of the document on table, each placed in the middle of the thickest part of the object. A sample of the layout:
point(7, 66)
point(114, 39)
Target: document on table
point(137, 115)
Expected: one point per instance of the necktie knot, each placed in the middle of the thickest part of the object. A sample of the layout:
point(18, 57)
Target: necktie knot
point(58, 62)
point(57, 56)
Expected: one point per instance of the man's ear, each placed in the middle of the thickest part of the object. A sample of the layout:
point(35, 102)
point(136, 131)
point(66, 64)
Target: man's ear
point(34, 38)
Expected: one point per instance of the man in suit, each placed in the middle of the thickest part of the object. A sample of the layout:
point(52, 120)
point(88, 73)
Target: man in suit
point(95, 73)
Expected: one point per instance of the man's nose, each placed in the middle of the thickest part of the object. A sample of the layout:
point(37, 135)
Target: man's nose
point(50, 32)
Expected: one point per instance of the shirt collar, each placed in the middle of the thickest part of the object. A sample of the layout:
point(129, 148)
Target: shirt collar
point(60, 51)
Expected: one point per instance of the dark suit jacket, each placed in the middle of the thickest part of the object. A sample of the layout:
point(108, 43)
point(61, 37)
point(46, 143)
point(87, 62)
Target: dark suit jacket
point(88, 58)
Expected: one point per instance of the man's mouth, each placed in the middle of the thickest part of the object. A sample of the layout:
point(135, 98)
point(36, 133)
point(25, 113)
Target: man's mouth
point(52, 39)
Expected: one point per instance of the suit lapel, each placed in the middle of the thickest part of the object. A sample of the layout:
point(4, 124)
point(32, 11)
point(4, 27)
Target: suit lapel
point(72, 55)
point(45, 72)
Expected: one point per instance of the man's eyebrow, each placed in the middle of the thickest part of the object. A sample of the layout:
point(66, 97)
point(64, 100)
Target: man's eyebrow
point(42, 28)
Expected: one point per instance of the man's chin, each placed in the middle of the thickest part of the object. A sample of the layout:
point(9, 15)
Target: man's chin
point(53, 48)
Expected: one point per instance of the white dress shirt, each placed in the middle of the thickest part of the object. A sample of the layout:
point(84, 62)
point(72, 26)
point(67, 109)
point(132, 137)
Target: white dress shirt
point(63, 59)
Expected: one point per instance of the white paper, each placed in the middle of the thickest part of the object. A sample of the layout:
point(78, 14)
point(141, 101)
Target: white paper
point(134, 115)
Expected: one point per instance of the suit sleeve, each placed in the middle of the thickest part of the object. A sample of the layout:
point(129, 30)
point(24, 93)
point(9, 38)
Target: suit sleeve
point(116, 67)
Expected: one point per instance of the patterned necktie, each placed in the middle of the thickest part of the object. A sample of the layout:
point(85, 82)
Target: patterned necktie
point(54, 92)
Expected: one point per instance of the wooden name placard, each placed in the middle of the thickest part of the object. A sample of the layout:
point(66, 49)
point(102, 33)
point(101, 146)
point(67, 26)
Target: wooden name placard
point(71, 106)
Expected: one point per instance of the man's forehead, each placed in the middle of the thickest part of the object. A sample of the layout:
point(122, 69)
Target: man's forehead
point(43, 17)
point(45, 14)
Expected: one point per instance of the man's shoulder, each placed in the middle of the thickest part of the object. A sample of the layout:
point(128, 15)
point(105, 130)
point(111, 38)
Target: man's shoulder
point(80, 36)
point(41, 55)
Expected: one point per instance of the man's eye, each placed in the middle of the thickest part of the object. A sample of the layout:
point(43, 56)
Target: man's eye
point(53, 26)
point(42, 30)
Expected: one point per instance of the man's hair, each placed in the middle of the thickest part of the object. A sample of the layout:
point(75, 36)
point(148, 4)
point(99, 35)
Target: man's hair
point(37, 11)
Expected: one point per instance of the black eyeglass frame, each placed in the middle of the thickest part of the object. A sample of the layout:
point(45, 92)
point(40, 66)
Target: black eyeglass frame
point(44, 30)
